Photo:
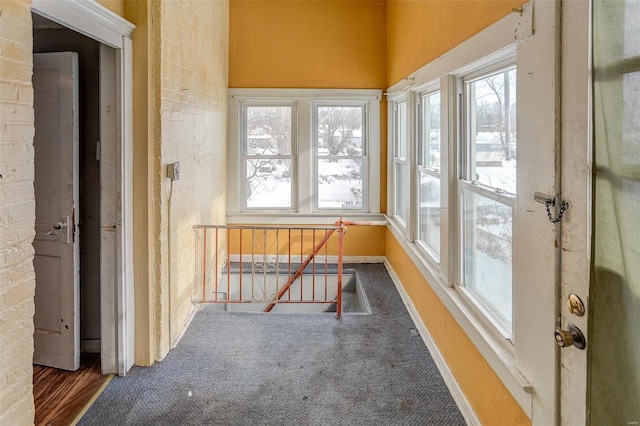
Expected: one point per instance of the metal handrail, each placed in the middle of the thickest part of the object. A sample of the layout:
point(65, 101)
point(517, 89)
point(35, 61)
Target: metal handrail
point(220, 259)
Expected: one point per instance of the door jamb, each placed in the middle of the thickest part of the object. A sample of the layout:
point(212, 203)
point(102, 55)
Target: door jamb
point(99, 23)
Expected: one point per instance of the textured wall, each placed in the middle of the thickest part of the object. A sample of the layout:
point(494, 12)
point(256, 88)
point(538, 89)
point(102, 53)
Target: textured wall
point(17, 214)
point(191, 67)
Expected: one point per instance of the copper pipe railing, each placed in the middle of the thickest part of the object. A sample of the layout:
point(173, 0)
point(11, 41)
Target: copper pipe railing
point(266, 265)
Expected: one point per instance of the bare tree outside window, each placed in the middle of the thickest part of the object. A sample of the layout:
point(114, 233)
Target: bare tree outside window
point(340, 149)
point(487, 225)
point(268, 156)
point(492, 102)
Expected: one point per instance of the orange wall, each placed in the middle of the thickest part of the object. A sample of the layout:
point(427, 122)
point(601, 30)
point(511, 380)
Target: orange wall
point(307, 44)
point(358, 241)
point(421, 31)
point(116, 6)
point(489, 398)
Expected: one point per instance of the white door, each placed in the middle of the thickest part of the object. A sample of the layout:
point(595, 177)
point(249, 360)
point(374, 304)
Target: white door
point(56, 262)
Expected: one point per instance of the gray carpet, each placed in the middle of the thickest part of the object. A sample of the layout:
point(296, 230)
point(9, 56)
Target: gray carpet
point(297, 369)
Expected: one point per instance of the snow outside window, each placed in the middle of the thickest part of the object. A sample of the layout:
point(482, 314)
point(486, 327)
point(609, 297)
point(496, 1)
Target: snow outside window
point(487, 193)
point(303, 152)
point(429, 167)
point(340, 151)
point(267, 153)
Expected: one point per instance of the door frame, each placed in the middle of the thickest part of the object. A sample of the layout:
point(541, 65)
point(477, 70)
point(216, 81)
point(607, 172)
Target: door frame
point(576, 169)
point(117, 288)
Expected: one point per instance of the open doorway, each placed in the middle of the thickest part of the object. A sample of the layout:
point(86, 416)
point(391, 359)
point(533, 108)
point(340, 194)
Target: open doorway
point(52, 37)
point(86, 47)
point(66, 79)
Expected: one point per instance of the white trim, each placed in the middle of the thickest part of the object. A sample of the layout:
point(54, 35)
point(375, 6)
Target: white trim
point(458, 395)
point(109, 241)
point(87, 17)
point(500, 359)
point(577, 180)
point(126, 309)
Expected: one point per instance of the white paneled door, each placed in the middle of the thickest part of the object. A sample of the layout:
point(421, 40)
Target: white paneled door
point(56, 244)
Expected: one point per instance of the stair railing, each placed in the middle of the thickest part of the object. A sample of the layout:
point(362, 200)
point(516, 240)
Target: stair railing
point(268, 265)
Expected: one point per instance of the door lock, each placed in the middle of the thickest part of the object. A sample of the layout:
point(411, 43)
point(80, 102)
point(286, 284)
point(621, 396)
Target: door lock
point(573, 336)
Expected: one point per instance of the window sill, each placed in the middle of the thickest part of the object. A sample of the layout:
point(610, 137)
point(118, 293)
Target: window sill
point(501, 360)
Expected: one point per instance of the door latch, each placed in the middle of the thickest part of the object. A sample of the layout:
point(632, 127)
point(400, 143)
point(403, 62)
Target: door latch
point(550, 201)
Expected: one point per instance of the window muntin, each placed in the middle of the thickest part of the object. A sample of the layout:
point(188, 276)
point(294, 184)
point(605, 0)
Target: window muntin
point(429, 149)
point(401, 164)
point(268, 156)
point(340, 143)
point(487, 194)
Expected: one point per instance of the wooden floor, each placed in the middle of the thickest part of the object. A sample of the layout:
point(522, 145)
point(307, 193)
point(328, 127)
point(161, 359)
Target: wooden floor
point(60, 396)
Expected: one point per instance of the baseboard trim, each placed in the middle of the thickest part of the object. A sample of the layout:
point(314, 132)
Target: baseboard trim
point(459, 397)
point(187, 322)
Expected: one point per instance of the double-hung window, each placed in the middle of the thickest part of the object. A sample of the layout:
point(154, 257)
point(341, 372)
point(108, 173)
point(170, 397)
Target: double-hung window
point(303, 152)
point(487, 191)
point(429, 167)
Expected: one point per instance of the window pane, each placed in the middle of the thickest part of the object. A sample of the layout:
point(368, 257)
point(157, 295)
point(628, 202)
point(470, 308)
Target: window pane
point(487, 252)
point(269, 183)
point(340, 184)
point(492, 130)
point(402, 190)
point(430, 137)
point(401, 130)
point(268, 130)
point(429, 218)
point(340, 131)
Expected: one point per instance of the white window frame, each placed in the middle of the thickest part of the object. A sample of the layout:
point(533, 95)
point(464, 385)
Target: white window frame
point(398, 160)
point(315, 104)
point(304, 199)
point(475, 71)
point(245, 157)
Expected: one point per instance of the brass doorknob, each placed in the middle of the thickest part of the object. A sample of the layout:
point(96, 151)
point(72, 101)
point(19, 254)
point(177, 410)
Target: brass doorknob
point(573, 336)
point(563, 338)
